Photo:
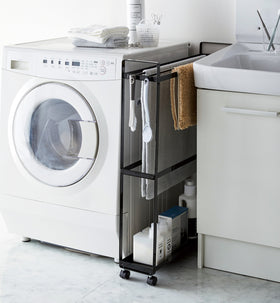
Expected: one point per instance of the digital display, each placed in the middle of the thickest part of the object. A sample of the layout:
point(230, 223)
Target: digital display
point(75, 63)
point(20, 65)
point(66, 63)
point(45, 61)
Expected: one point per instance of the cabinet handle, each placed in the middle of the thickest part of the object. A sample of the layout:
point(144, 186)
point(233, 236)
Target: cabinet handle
point(251, 112)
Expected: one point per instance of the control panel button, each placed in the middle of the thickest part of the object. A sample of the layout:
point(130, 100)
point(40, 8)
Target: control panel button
point(76, 63)
point(102, 70)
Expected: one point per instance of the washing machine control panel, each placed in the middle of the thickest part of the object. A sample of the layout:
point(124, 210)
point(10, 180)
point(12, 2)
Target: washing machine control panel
point(86, 68)
point(65, 66)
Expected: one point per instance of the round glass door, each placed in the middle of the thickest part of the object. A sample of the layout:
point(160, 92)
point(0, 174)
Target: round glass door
point(55, 134)
point(54, 140)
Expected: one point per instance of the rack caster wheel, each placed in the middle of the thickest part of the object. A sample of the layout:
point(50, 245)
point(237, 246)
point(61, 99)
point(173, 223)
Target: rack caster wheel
point(152, 280)
point(125, 274)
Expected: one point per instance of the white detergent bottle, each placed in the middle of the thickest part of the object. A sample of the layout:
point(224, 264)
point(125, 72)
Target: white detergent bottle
point(135, 13)
point(166, 232)
point(143, 246)
point(188, 199)
point(159, 246)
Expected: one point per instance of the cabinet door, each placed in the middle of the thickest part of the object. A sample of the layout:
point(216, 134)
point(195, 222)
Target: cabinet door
point(239, 166)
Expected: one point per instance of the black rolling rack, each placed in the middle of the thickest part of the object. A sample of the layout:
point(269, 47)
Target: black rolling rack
point(127, 264)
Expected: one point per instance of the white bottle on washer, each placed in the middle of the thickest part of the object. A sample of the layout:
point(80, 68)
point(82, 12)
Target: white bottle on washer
point(188, 199)
point(135, 13)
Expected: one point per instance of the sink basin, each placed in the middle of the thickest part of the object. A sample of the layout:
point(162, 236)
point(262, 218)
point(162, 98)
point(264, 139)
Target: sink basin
point(241, 68)
point(259, 62)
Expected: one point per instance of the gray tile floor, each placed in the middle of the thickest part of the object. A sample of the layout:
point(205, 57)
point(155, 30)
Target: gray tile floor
point(41, 273)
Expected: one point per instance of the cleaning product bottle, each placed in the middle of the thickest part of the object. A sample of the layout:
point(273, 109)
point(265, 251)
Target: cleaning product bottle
point(143, 246)
point(159, 246)
point(166, 233)
point(188, 199)
point(135, 13)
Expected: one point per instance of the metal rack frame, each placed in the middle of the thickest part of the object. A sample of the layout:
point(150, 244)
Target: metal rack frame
point(127, 263)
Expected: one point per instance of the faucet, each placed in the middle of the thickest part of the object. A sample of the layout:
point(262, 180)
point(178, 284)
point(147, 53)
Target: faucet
point(274, 32)
point(265, 29)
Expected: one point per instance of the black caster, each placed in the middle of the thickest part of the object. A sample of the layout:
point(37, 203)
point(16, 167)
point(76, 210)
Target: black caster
point(125, 274)
point(152, 280)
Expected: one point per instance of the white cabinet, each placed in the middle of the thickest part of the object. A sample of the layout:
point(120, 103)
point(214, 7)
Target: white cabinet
point(239, 181)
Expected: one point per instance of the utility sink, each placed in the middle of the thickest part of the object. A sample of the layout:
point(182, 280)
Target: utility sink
point(242, 68)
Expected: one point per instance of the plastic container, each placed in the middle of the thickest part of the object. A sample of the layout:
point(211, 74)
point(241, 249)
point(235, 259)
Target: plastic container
point(148, 33)
point(188, 199)
point(143, 246)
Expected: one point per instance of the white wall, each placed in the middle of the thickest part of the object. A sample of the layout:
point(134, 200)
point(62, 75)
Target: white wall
point(196, 20)
point(193, 20)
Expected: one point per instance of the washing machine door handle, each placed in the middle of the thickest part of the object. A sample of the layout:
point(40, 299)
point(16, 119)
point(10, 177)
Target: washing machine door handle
point(89, 142)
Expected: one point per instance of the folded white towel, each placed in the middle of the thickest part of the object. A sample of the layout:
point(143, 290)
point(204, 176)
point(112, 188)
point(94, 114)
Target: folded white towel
point(98, 33)
point(110, 43)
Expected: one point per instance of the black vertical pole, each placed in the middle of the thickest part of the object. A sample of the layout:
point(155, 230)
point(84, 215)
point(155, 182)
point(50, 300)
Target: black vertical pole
point(155, 200)
point(122, 164)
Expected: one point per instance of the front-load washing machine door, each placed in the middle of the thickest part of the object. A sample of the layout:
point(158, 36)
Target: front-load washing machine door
point(55, 134)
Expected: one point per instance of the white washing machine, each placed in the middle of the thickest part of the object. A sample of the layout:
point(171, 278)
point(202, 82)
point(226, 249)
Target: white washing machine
point(60, 141)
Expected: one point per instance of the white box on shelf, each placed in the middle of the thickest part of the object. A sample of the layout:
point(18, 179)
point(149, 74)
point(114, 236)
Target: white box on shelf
point(177, 218)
